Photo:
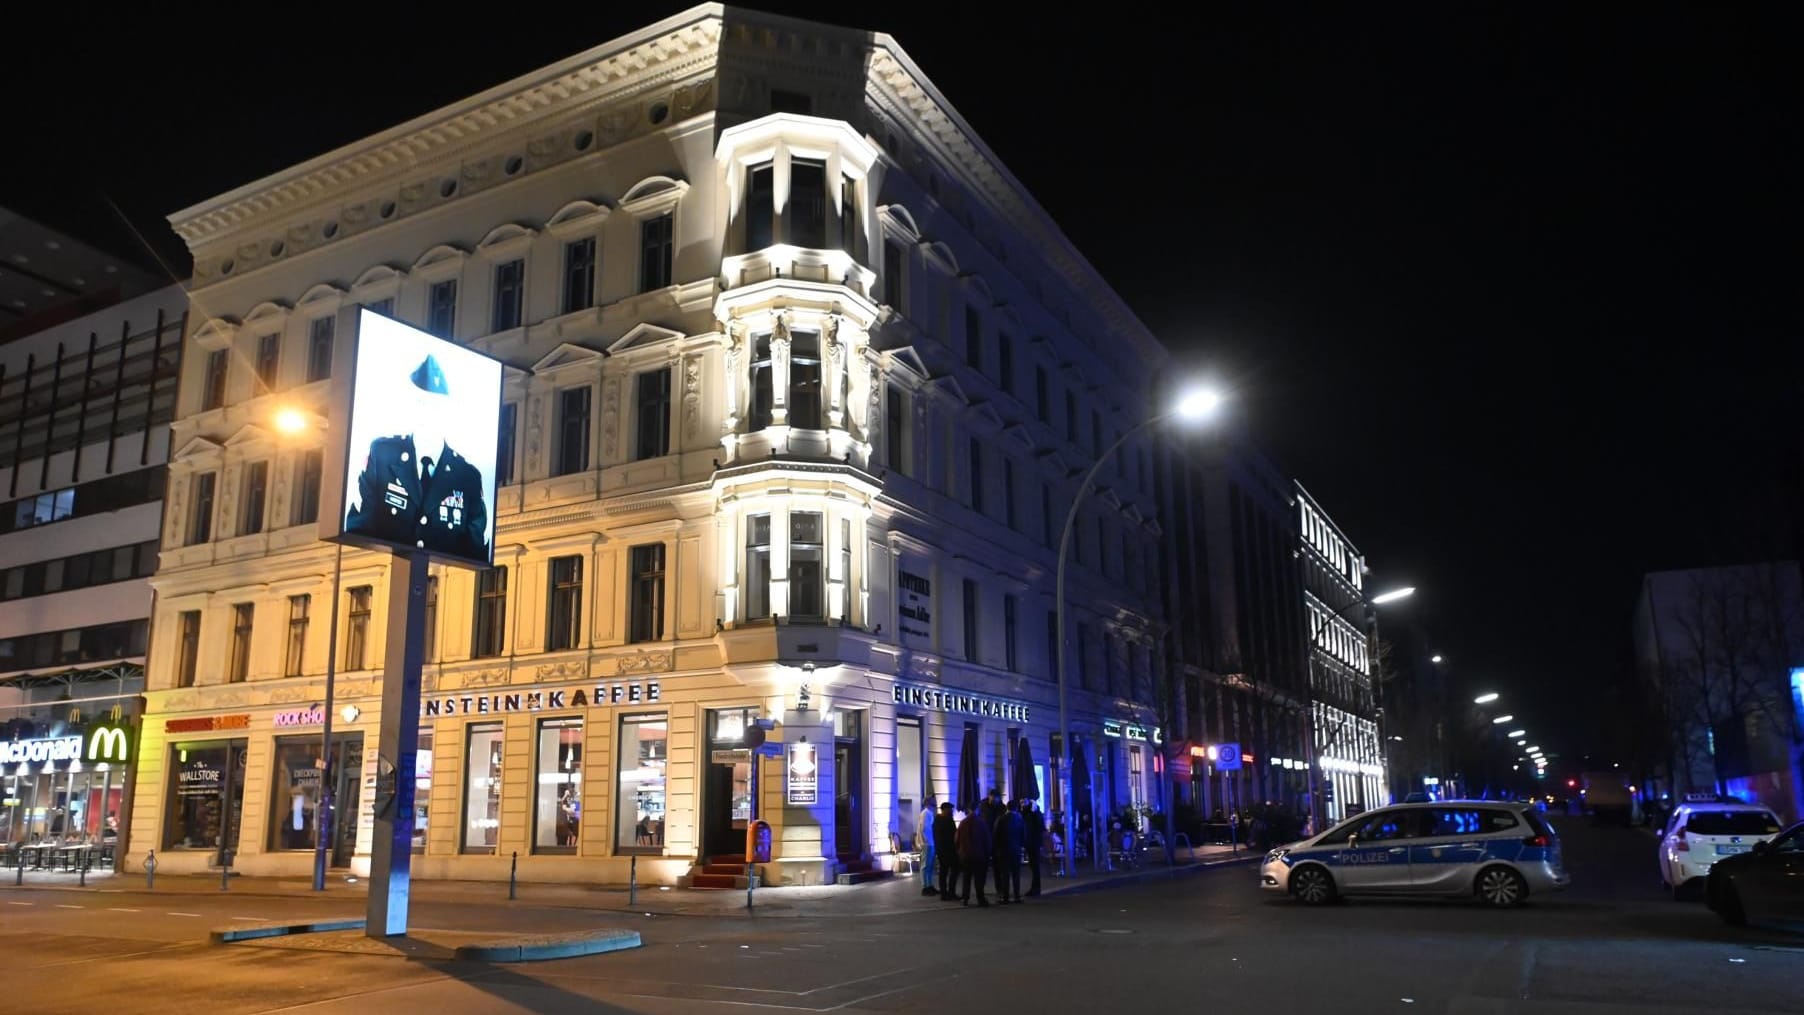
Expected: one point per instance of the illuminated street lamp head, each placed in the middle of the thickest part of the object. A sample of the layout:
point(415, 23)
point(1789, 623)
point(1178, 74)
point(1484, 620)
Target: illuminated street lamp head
point(1519, 733)
point(1485, 698)
point(291, 420)
point(1435, 660)
point(1394, 595)
point(1199, 404)
point(1501, 719)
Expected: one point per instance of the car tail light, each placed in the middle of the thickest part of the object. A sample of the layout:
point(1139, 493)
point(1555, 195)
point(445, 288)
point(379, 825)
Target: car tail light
point(1537, 840)
point(1679, 843)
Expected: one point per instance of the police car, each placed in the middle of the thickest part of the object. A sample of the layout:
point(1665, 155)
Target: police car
point(1703, 831)
point(1499, 852)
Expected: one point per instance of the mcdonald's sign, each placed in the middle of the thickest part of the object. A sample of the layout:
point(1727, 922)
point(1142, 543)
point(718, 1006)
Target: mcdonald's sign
point(109, 742)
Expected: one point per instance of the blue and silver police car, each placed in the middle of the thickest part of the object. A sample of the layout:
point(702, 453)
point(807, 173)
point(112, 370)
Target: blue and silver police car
point(1501, 853)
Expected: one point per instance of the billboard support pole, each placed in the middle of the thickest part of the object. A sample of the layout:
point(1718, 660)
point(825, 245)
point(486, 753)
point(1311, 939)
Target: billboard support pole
point(391, 853)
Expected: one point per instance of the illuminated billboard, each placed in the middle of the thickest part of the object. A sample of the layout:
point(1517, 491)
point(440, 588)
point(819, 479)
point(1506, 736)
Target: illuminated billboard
point(418, 467)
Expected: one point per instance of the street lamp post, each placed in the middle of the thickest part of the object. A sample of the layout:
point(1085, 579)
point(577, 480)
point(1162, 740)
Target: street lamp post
point(1195, 406)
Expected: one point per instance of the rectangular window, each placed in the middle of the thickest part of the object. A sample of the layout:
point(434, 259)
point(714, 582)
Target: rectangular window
point(579, 275)
point(848, 215)
point(504, 443)
point(256, 492)
point(805, 380)
point(558, 790)
point(1071, 415)
point(490, 638)
point(431, 624)
point(808, 203)
point(760, 207)
point(510, 295)
point(1005, 361)
point(238, 666)
point(1052, 646)
point(653, 438)
point(294, 802)
point(308, 470)
point(895, 416)
point(441, 308)
point(206, 795)
point(845, 568)
point(1009, 513)
point(647, 597)
point(762, 399)
point(564, 623)
point(294, 660)
point(1010, 659)
point(657, 249)
point(187, 649)
point(213, 386)
point(269, 361)
point(976, 474)
point(1046, 515)
point(973, 338)
point(807, 596)
point(422, 786)
point(892, 275)
point(320, 335)
point(757, 567)
point(643, 755)
point(911, 773)
point(200, 512)
point(482, 788)
point(357, 628)
point(1042, 395)
point(970, 604)
point(572, 430)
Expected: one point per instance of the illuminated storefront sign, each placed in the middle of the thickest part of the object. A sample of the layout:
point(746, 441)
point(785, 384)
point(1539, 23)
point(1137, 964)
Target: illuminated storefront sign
point(1131, 731)
point(301, 717)
point(623, 693)
point(802, 773)
point(208, 723)
point(954, 701)
point(45, 749)
point(110, 743)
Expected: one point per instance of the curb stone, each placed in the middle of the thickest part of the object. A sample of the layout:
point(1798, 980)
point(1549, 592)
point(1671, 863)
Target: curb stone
point(551, 946)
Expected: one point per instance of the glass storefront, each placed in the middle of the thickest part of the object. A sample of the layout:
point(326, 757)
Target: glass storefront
point(640, 763)
point(294, 803)
point(482, 788)
point(206, 797)
point(77, 803)
point(558, 790)
point(422, 789)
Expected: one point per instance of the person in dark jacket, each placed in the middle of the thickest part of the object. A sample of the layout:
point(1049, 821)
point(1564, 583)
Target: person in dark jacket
point(974, 852)
point(945, 848)
point(1033, 839)
point(1009, 833)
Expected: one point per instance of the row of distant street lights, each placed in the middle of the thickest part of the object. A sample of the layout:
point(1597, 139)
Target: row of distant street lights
point(1531, 753)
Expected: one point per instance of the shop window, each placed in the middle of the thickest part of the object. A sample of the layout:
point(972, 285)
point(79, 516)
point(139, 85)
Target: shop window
point(807, 596)
point(910, 774)
point(357, 628)
point(422, 788)
point(564, 620)
point(294, 805)
point(647, 601)
point(641, 760)
point(482, 789)
point(206, 795)
point(238, 666)
point(558, 790)
point(757, 567)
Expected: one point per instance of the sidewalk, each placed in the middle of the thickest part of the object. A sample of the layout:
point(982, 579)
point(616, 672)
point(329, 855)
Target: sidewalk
point(891, 896)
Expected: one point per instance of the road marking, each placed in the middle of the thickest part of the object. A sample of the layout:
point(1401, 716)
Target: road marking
point(181, 914)
point(21, 903)
point(64, 906)
point(252, 919)
point(117, 910)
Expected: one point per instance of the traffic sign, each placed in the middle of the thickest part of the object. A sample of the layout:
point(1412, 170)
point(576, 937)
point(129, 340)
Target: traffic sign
point(1227, 757)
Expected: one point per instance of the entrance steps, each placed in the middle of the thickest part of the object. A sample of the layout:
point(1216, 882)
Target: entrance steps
point(860, 872)
point(719, 873)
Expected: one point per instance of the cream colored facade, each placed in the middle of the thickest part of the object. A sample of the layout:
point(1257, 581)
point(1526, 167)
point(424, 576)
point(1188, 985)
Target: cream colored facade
point(921, 236)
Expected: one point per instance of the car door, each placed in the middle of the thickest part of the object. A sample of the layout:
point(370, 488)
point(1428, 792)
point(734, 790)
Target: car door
point(1774, 883)
point(1376, 857)
point(1446, 856)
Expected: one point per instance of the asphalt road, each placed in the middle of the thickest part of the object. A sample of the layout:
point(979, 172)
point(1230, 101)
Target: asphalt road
point(1203, 942)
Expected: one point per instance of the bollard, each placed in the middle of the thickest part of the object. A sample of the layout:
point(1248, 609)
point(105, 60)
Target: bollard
point(19, 872)
point(83, 867)
point(632, 883)
point(150, 870)
point(512, 870)
point(225, 869)
point(749, 881)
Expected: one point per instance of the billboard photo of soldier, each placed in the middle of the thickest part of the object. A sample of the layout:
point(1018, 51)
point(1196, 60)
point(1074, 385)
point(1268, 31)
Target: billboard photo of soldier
point(421, 464)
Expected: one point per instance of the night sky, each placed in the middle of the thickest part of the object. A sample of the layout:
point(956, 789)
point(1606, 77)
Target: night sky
point(1512, 290)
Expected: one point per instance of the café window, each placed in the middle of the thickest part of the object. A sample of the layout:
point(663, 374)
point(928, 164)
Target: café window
point(206, 795)
point(558, 793)
point(807, 597)
point(641, 762)
point(482, 789)
point(757, 567)
point(422, 788)
point(294, 805)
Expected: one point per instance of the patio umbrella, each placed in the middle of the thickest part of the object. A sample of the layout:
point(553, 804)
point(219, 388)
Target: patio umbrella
point(1080, 781)
point(1025, 787)
point(969, 796)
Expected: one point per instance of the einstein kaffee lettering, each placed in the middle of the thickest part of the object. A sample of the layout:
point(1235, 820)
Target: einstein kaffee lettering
point(943, 700)
point(626, 693)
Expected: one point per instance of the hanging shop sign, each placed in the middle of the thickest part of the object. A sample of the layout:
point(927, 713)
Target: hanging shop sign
point(208, 723)
point(198, 778)
point(42, 749)
point(619, 693)
point(111, 743)
point(300, 717)
point(914, 609)
point(801, 773)
point(942, 700)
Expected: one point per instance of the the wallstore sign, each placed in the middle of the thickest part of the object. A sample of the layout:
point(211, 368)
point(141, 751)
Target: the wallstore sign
point(953, 701)
point(623, 693)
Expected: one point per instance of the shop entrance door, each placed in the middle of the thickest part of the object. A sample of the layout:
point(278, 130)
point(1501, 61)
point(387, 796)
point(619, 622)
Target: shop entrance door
point(848, 785)
point(727, 787)
point(347, 786)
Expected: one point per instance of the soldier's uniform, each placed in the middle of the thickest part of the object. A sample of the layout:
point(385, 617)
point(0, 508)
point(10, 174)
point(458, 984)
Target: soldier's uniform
point(408, 500)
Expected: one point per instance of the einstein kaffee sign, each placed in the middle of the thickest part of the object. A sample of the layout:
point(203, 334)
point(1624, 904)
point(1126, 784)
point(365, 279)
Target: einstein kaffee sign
point(941, 700)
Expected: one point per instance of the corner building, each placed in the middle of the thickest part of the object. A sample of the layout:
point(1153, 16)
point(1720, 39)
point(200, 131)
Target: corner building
point(798, 379)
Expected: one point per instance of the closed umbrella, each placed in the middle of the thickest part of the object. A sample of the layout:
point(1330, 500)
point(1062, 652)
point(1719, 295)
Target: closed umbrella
point(1026, 786)
point(969, 796)
point(1080, 782)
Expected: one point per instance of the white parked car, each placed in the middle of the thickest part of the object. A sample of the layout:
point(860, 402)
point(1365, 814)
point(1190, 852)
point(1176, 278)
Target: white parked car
point(1701, 833)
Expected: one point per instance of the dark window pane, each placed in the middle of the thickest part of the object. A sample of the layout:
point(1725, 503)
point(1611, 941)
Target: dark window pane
point(573, 431)
point(510, 295)
point(579, 275)
point(653, 437)
point(760, 208)
point(807, 203)
point(656, 252)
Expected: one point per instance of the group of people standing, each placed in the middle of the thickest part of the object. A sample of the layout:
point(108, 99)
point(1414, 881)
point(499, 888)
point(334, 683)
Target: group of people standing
point(992, 839)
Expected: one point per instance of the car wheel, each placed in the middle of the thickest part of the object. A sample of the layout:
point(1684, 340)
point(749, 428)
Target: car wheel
point(1727, 902)
point(1312, 885)
point(1500, 887)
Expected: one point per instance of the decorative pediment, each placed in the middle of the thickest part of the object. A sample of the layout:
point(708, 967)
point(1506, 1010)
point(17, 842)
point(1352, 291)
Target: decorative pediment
point(266, 317)
point(1061, 462)
point(1133, 514)
point(654, 195)
point(642, 335)
point(987, 412)
point(376, 283)
point(198, 451)
point(909, 359)
point(949, 384)
point(321, 300)
point(577, 218)
point(216, 333)
point(1020, 434)
point(1108, 496)
point(506, 241)
point(937, 251)
point(979, 289)
point(440, 263)
point(565, 356)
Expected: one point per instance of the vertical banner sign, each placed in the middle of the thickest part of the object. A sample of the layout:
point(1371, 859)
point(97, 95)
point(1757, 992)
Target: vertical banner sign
point(801, 774)
point(914, 604)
